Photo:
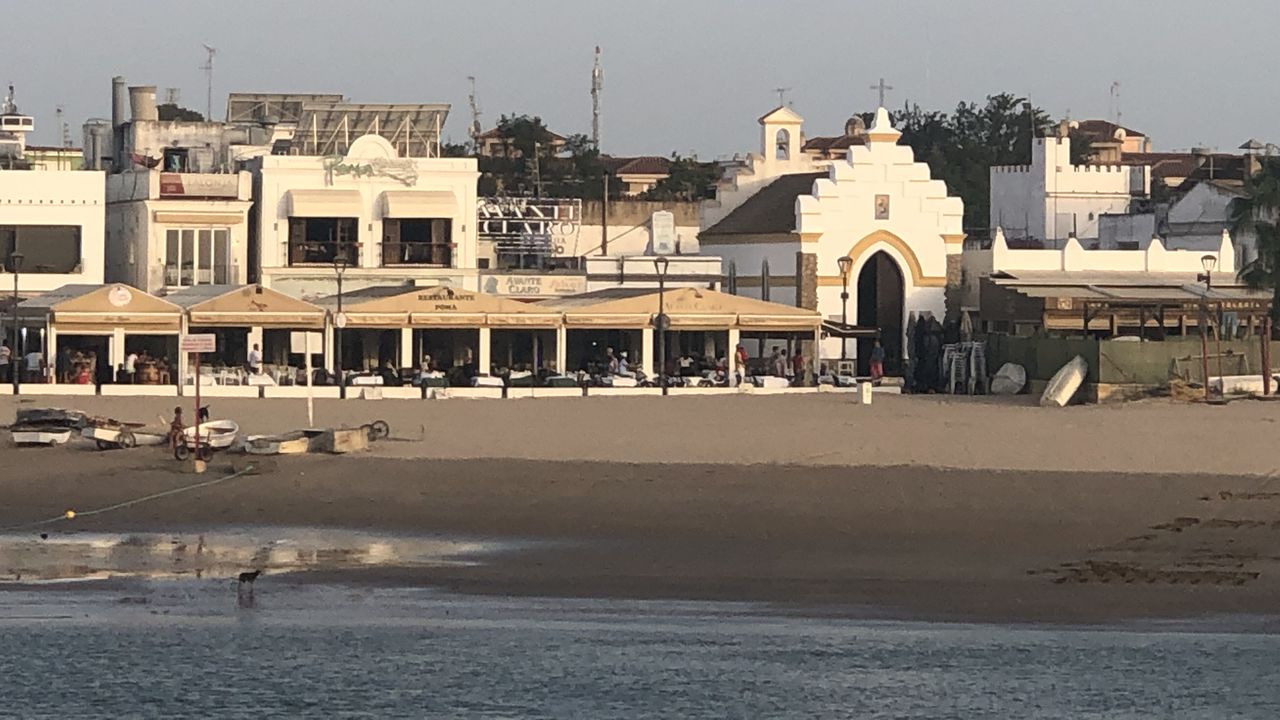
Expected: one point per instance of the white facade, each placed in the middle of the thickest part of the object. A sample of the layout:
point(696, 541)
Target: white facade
point(167, 231)
point(56, 219)
point(1199, 217)
point(358, 203)
point(1050, 199)
point(781, 137)
point(877, 200)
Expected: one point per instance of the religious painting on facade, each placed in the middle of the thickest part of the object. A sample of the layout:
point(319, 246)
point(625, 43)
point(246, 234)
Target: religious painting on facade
point(882, 207)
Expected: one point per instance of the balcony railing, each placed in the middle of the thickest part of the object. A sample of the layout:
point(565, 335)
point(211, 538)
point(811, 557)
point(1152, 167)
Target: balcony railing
point(417, 253)
point(323, 253)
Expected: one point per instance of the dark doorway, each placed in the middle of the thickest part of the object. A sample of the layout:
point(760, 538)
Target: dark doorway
point(880, 303)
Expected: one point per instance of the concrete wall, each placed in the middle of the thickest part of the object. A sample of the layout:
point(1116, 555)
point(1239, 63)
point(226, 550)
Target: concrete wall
point(629, 228)
point(57, 197)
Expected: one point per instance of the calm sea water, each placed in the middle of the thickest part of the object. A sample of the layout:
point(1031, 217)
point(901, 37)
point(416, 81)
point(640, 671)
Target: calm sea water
point(168, 649)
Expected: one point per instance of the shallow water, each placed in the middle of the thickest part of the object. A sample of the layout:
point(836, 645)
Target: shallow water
point(183, 648)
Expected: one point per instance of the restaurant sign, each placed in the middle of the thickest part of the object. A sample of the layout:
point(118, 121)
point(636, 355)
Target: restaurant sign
point(535, 285)
point(199, 185)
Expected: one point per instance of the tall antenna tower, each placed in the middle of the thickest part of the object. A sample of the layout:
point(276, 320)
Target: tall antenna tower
point(475, 129)
point(63, 127)
point(597, 84)
point(1115, 101)
point(207, 67)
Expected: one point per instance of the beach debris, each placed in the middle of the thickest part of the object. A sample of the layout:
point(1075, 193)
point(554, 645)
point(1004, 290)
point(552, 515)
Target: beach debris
point(1064, 383)
point(1009, 379)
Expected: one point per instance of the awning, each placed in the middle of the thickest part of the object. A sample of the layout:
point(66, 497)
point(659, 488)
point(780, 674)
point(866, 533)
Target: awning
point(247, 306)
point(95, 308)
point(197, 218)
point(325, 203)
point(419, 204)
point(836, 329)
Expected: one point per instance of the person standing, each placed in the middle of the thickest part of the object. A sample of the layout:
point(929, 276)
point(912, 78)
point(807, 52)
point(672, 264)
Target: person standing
point(131, 367)
point(797, 367)
point(35, 366)
point(877, 363)
point(740, 359)
point(775, 363)
point(6, 356)
point(255, 360)
point(62, 365)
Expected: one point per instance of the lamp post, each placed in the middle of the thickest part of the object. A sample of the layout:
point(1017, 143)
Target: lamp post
point(15, 266)
point(1208, 262)
point(846, 265)
point(339, 320)
point(660, 264)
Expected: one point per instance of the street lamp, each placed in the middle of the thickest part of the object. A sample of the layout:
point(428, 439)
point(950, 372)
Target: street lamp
point(660, 264)
point(339, 321)
point(15, 266)
point(846, 265)
point(1208, 262)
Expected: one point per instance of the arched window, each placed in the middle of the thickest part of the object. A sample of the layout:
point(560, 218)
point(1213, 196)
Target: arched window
point(783, 145)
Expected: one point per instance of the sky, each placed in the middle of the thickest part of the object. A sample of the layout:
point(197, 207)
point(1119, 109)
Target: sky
point(679, 76)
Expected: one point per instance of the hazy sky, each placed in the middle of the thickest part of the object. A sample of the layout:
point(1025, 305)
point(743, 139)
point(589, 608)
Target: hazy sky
point(686, 76)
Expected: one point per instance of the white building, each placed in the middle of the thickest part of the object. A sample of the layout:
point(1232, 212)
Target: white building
point(167, 231)
point(1051, 199)
point(880, 208)
point(393, 220)
point(54, 220)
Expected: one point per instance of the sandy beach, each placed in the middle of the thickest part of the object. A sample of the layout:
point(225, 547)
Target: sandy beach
point(923, 507)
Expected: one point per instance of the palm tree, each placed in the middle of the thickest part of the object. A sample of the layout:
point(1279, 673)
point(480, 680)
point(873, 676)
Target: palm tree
point(1259, 211)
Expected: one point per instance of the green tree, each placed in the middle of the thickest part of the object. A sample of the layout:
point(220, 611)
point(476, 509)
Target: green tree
point(687, 180)
point(170, 112)
point(1258, 212)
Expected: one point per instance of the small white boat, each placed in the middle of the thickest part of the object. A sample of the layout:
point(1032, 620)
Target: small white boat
point(40, 435)
point(217, 434)
point(1064, 383)
point(122, 435)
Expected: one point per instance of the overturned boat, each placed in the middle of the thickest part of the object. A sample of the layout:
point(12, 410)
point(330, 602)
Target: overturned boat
point(45, 426)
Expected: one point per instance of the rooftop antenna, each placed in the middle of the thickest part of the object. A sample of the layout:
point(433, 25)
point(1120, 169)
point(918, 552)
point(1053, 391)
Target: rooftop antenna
point(883, 88)
point(1115, 100)
point(207, 67)
point(62, 125)
point(782, 95)
point(171, 96)
point(475, 115)
point(597, 84)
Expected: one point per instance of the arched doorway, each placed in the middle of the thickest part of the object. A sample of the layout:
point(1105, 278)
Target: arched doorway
point(881, 295)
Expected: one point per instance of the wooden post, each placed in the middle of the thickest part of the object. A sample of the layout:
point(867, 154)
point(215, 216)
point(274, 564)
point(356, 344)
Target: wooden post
point(1266, 354)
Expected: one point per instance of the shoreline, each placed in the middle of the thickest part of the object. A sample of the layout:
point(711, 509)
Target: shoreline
point(868, 525)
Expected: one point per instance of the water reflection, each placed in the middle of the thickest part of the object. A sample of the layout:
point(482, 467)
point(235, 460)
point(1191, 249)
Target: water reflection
point(30, 558)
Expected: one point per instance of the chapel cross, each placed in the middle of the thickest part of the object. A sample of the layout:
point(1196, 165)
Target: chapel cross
point(882, 88)
point(782, 95)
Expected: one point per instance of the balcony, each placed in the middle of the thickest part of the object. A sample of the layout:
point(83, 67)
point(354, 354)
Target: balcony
point(417, 253)
point(323, 253)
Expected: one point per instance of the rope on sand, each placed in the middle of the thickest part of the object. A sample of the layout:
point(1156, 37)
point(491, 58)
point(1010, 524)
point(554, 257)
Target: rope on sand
point(72, 514)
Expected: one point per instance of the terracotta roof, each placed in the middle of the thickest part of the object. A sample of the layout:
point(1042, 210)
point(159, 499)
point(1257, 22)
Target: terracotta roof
point(643, 165)
point(825, 145)
point(1198, 166)
point(1104, 130)
point(494, 133)
point(772, 210)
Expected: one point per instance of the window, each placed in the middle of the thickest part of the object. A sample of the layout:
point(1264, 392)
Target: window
point(417, 241)
point(198, 257)
point(783, 142)
point(323, 240)
point(45, 249)
point(176, 160)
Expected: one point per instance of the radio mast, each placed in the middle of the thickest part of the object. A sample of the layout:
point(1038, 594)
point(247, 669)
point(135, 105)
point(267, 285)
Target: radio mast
point(597, 84)
point(207, 67)
point(475, 129)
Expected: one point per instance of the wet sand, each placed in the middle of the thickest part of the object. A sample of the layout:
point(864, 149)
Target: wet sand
point(912, 507)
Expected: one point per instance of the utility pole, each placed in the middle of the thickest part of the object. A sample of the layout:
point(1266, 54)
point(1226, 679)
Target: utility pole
point(207, 67)
point(597, 84)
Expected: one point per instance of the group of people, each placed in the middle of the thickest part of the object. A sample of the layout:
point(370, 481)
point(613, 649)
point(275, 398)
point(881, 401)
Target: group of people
point(30, 367)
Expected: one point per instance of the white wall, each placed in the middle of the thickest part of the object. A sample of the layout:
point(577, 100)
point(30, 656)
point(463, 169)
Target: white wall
point(57, 197)
point(278, 174)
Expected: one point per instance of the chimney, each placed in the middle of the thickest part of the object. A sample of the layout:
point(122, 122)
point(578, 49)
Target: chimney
point(142, 102)
point(118, 100)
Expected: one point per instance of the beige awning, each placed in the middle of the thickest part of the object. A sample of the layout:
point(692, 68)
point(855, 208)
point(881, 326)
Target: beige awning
point(251, 306)
point(325, 203)
point(94, 308)
point(197, 218)
point(419, 204)
point(688, 309)
point(448, 307)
